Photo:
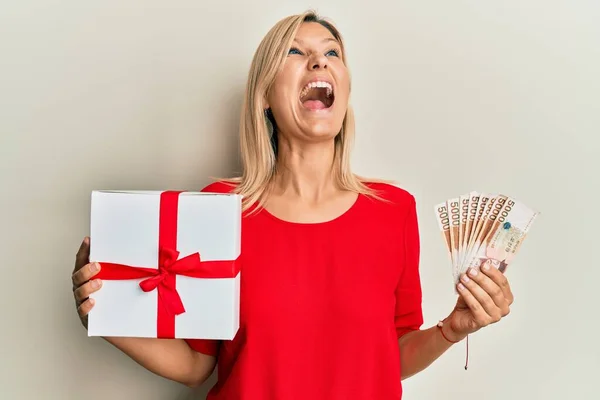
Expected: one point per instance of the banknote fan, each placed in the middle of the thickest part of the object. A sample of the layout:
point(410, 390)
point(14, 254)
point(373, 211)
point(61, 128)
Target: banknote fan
point(479, 226)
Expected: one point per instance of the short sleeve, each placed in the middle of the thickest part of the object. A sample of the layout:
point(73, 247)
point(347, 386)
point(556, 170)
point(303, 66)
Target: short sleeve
point(205, 346)
point(408, 312)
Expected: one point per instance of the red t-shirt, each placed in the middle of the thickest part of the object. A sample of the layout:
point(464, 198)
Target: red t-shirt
point(323, 304)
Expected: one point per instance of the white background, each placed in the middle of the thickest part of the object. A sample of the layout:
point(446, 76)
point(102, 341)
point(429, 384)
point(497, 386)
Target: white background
point(450, 96)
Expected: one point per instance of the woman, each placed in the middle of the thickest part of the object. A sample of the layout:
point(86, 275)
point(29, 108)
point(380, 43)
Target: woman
point(331, 296)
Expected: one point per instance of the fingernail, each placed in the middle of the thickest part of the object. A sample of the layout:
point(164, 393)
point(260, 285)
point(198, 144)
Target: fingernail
point(465, 279)
point(96, 283)
point(94, 267)
point(495, 263)
point(486, 265)
point(473, 272)
point(92, 301)
point(461, 287)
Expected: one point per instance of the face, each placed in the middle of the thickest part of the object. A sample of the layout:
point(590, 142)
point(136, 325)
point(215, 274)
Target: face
point(309, 97)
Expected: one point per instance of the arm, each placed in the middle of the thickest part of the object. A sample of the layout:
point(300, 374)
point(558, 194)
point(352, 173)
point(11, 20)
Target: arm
point(420, 348)
point(170, 358)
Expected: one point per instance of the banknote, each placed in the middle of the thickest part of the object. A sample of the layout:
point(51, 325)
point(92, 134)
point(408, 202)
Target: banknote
point(495, 206)
point(464, 200)
point(443, 219)
point(476, 226)
point(454, 214)
point(471, 218)
point(482, 206)
point(512, 227)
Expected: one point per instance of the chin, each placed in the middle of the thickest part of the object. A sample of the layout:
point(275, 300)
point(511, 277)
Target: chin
point(321, 132)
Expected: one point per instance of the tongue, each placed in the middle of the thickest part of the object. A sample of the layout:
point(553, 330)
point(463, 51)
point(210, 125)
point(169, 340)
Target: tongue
point(314, 104)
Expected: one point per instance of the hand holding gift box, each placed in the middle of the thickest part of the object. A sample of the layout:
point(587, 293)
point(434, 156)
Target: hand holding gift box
point(169, 264)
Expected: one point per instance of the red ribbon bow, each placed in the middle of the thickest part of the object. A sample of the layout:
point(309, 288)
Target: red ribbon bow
point(163, 279)
point(168, 265)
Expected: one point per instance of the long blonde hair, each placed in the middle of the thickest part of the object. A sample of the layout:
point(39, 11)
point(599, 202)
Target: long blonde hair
point(258, 147)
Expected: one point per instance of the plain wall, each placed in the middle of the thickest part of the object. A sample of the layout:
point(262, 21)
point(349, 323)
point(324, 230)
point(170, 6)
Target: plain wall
point(450, 96)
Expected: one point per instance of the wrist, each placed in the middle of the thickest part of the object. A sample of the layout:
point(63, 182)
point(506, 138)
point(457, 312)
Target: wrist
point(448, 332)
point(450, 335)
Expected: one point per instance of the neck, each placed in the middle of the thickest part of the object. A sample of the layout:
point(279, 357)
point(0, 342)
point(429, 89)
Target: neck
point(305, 170)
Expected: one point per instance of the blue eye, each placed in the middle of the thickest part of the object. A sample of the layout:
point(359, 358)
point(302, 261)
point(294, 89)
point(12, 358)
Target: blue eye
point(294, 50)
point(335, 53)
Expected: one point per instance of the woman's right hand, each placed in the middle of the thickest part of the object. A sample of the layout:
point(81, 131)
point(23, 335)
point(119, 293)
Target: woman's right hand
point(171, 359)
point(83, 284)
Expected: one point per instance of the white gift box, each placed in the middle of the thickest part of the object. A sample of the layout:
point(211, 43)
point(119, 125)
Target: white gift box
point(125, 230)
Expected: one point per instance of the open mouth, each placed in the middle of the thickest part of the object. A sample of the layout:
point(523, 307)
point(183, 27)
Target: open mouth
point(317, 95)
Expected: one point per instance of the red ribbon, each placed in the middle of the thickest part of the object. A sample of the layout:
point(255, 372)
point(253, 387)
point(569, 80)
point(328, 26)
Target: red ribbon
point(163, 279)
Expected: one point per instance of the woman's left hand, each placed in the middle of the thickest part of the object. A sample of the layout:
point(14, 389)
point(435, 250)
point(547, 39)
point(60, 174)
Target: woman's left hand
point(485, 298)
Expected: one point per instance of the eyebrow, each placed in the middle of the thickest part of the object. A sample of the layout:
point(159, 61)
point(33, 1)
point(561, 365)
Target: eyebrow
point(322, 41)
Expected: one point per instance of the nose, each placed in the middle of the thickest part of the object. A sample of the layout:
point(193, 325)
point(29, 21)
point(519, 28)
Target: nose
point(318, 61)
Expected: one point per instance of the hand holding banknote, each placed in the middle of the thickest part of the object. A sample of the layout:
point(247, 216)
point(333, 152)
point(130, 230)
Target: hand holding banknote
point(482, 233)
point(484, 298)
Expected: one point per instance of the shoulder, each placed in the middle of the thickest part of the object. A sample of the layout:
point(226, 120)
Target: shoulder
point(220, 186)
point(395, 209)
point(392, 194)
point(393, 204)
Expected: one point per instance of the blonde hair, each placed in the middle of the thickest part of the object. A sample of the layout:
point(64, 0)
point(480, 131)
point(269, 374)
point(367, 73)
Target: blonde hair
point(258, 148)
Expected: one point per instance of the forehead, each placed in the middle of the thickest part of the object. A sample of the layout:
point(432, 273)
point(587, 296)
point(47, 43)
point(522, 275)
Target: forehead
point(311, 32)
